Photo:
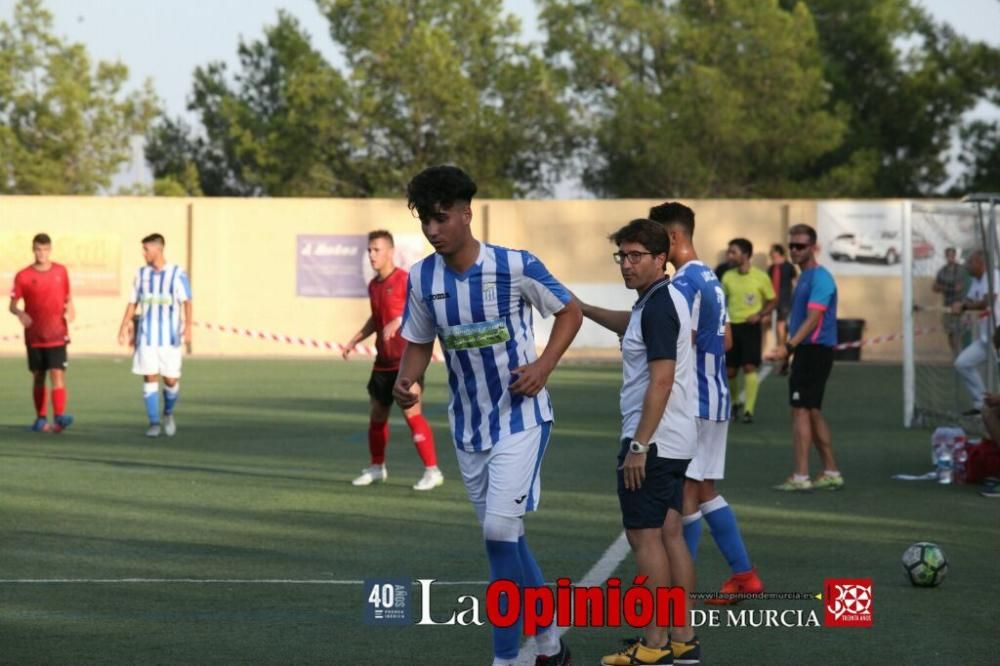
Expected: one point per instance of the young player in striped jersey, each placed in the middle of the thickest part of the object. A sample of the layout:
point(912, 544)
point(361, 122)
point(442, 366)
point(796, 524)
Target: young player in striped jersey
point(700, 286)
point(387, 296)
point(476, 299)
point(161, 295)
point(48, 309)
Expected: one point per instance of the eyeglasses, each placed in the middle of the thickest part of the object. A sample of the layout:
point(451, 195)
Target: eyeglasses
point(798, 246)
point(633, 257)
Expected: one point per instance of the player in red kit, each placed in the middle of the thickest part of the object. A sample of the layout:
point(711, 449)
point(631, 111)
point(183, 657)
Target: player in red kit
point(44, 288)
point(387, 293)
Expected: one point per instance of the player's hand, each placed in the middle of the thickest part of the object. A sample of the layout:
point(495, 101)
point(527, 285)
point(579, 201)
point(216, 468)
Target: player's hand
point(70, 313)
point(635, 470)
point(187, 334)
point(390, 329)
point(124, 336)
point(754, 319)
point(776, 354)
point(25, 319)
point(346, 350)
point(531, 379)
point(956, 308)
point(403, 392)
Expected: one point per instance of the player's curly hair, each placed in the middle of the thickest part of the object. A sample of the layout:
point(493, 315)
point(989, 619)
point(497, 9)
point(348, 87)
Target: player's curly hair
point(438, 187)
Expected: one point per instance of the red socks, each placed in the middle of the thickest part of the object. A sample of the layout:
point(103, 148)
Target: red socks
point(378, 437)
point(40, 395)
point(423, 439)
point(59, 401)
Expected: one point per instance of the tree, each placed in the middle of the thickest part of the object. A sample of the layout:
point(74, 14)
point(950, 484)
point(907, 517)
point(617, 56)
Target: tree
point(65, 126)
point(697, 98)
point(424, 83)
point(906, 81)
point(980, 157)
point(277, 129)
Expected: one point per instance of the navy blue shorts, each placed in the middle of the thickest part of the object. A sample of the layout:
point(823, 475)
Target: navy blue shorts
point(662, 490)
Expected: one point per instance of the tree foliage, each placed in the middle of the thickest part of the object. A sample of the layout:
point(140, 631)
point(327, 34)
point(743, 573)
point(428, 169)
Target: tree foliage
point(65, 124)
point(422, 83)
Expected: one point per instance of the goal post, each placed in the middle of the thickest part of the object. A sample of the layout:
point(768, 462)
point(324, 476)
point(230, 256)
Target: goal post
point(933, 393)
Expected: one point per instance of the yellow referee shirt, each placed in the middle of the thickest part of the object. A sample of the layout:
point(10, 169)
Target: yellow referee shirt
point(746, 293)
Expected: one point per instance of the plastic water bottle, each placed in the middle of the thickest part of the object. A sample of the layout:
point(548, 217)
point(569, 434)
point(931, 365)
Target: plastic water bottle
point(940, 439)
point(959, 456)
point(944, 465)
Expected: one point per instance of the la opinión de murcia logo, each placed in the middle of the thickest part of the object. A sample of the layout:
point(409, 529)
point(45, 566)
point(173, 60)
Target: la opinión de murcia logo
point(848, 602)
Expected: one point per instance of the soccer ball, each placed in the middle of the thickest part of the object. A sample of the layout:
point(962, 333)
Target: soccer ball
point(925, 564)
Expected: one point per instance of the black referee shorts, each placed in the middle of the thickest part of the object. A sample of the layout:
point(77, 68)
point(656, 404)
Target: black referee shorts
point(811, 367)
point(746, 346)
point(380, 386)
point(662, 490)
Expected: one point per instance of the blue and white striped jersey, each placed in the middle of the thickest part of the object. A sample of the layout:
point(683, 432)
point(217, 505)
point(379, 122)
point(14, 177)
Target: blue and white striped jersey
point(160, 294)
point(703, 292)
point(483, 319)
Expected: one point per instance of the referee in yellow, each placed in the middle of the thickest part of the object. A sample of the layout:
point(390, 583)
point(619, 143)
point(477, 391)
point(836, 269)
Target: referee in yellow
point(750, 298)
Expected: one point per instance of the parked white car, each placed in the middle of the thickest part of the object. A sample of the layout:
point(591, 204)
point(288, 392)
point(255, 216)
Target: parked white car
point(883, 246)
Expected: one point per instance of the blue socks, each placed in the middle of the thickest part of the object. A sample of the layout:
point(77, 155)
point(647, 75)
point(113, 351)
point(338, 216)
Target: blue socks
point(151, 396)
point(170, 395)
point(722, 521)
point(505, 563)
point(692, 532)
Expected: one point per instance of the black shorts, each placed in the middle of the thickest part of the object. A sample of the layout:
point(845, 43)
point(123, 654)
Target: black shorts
point(41, 359)
point(746, 346)
point(811, 367)
point(380, 386)
point(662, 490)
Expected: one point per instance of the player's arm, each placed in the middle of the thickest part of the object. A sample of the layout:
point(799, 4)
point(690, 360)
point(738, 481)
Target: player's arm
point(125, 329)
point(416, 358)
point(188, 321)
point(615, 321)
point(21, 315)
point(365, 331)
point(813, 316)
point(770, 301)
point(654, 402)
point(70, 309)
point(728, 340)
point(531, 378)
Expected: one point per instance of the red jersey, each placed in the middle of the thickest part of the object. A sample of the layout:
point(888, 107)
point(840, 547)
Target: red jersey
point(388, 300)
point(45, 294)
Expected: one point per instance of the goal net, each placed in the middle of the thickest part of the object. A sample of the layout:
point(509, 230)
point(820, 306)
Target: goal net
point(934, 394)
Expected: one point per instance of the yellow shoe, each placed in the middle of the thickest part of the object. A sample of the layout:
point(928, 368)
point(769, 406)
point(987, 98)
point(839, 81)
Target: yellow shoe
point(793, 485)
point(829, 482)
point(636, 653)
point(686, 652)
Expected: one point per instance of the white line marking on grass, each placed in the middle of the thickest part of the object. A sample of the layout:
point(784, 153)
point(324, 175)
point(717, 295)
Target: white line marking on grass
point(598, 574)
point(206, 581)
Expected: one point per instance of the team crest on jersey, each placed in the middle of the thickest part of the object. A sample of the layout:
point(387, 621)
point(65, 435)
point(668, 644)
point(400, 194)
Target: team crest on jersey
point(489, 292)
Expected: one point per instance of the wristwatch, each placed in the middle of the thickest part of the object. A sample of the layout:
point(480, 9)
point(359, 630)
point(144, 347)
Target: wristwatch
point(635, 446)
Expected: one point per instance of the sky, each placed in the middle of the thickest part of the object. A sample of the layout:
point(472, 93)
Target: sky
point(165, 40)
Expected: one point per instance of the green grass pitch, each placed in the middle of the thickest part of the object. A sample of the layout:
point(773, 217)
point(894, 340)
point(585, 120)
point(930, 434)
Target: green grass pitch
point(256, 487)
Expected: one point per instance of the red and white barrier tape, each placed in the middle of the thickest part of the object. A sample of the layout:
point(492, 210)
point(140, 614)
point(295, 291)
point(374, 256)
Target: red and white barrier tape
point(880, 339)
point(367, 350)
point(73, 328)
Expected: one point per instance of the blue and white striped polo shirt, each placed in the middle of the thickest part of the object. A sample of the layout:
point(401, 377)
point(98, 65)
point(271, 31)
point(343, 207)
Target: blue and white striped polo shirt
point(160, 294)
point(483, 319)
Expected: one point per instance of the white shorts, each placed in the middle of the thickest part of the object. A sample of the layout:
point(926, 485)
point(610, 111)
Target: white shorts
point(506, 479)
point(165, 361)
point(709, 460)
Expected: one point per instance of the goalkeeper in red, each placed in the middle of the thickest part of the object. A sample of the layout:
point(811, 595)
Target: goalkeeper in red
point(44, 288)
point(387, 293)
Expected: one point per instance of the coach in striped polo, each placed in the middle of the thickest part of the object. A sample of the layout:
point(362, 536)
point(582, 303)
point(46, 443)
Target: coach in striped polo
point(476, 299)
point(161, 306)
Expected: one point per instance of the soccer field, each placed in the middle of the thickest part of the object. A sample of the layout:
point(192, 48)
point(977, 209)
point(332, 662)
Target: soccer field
point(242, 541)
